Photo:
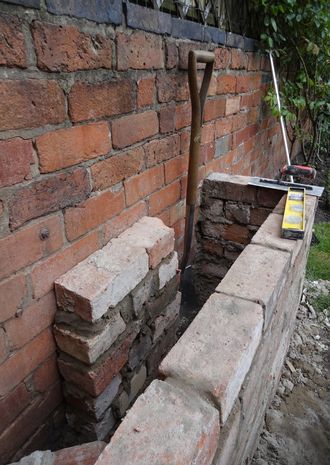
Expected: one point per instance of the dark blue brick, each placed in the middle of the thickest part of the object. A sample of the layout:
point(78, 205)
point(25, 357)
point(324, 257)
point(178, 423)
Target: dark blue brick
point(28, 3)
point(101, 11)
point(187, 29)
point(213, 34)
point(251, 45)
point(146, 19)
point(235, 40)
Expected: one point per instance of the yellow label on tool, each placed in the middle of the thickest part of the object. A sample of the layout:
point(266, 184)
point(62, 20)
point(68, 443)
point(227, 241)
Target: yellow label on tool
point(293, 225)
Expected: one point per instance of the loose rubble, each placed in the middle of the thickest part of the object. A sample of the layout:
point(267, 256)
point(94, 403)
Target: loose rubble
point(297, 424)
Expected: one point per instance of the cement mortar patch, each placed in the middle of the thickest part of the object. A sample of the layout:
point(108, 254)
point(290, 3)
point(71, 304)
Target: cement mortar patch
point(258, 275)
point(195, 357)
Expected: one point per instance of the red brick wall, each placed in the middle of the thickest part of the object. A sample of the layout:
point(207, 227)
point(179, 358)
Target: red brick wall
point(94, 133)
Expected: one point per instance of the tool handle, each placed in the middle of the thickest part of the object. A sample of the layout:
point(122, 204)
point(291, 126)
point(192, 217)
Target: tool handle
point(202, 56)
point(298, 170)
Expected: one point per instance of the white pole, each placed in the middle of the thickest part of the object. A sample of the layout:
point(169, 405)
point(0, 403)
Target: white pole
point(284, 134)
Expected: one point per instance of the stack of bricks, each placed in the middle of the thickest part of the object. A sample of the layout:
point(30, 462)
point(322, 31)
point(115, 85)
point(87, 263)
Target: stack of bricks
point(231, 212)
point(118, 315)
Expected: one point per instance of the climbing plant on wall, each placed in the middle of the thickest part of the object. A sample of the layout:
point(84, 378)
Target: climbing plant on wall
point(298, 31)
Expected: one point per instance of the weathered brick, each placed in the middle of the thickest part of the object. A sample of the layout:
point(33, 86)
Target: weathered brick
point(13, 404)
point(143, 184)
point(141, 347)
point(214, 108)
point(44, 273)
point(94, 407)
point(222, 145)
point(222, 58)
point(189, 424)
point(204, 340)
point(16, 156)
point(92, 213)
point(223, 126)
point(91, 430)
point(139, 51)
point(232, 105)
point(144, 291)
point(172, 87)
point(165, 197)
point(182, 115)
point(26, 246)
point(89, 348)
point(65, 48)
point(259, 215)
point(236, 233)
point(134, 128)
point(67, 147)
point(171, 54)
point(226, 187)
point(153, 235)
point(159, 150)
point(167, 317)
point(48, 195)
point(23, 362)
point(254, 61)
point(258, 276)
point(84, 454)
point(238, 212)
point(28, 422)
point(146, 91)
point(12, 294)
point(175, 168)
point(124, 220)
point(228, 439)
point(46, 374)
point(177, 212)
point(32, 321)
point(226, 84)
point(184, 49)
point(96, 100)
point(116, 270)
point(167, 118)
point(238, 59)
point(137, 382)
point(95, 379)
point(12, 43)
point(30, 103)
point(112, 170)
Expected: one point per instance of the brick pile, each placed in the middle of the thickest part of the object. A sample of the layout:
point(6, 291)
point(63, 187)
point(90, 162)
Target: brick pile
point(118, 315)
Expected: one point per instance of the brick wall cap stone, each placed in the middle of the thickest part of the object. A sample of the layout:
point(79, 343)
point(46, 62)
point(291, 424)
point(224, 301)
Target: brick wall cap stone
point(165, 425)
point(195, 358)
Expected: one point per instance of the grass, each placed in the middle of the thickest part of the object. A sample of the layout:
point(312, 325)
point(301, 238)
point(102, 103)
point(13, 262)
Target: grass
point(318, 265)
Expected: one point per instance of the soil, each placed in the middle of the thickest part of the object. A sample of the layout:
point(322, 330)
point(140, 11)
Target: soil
point(297, 424)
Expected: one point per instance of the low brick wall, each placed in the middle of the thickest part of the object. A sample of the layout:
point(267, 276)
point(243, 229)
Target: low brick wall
point(220, 376)
point(118, 315)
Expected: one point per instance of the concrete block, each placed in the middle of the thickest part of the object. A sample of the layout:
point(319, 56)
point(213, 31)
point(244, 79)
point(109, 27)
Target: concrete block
point(102, 280)
point(168, 316)
point(166, 425)
point(167, 270)
point(258, 276)
point(137, 382)
point(154, 236)
point(216, 351)
point(89, 348)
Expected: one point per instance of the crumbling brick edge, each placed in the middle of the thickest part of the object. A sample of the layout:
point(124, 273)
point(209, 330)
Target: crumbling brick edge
point(220, 376)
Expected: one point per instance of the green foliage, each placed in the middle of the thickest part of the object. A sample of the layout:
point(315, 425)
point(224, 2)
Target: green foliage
point(318, 265)
point(298, 33)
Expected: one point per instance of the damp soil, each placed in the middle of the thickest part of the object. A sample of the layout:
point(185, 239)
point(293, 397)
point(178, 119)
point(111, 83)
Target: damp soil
point(296, 430)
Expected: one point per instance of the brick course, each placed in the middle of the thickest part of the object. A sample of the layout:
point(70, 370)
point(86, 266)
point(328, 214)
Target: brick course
point(115, 102)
